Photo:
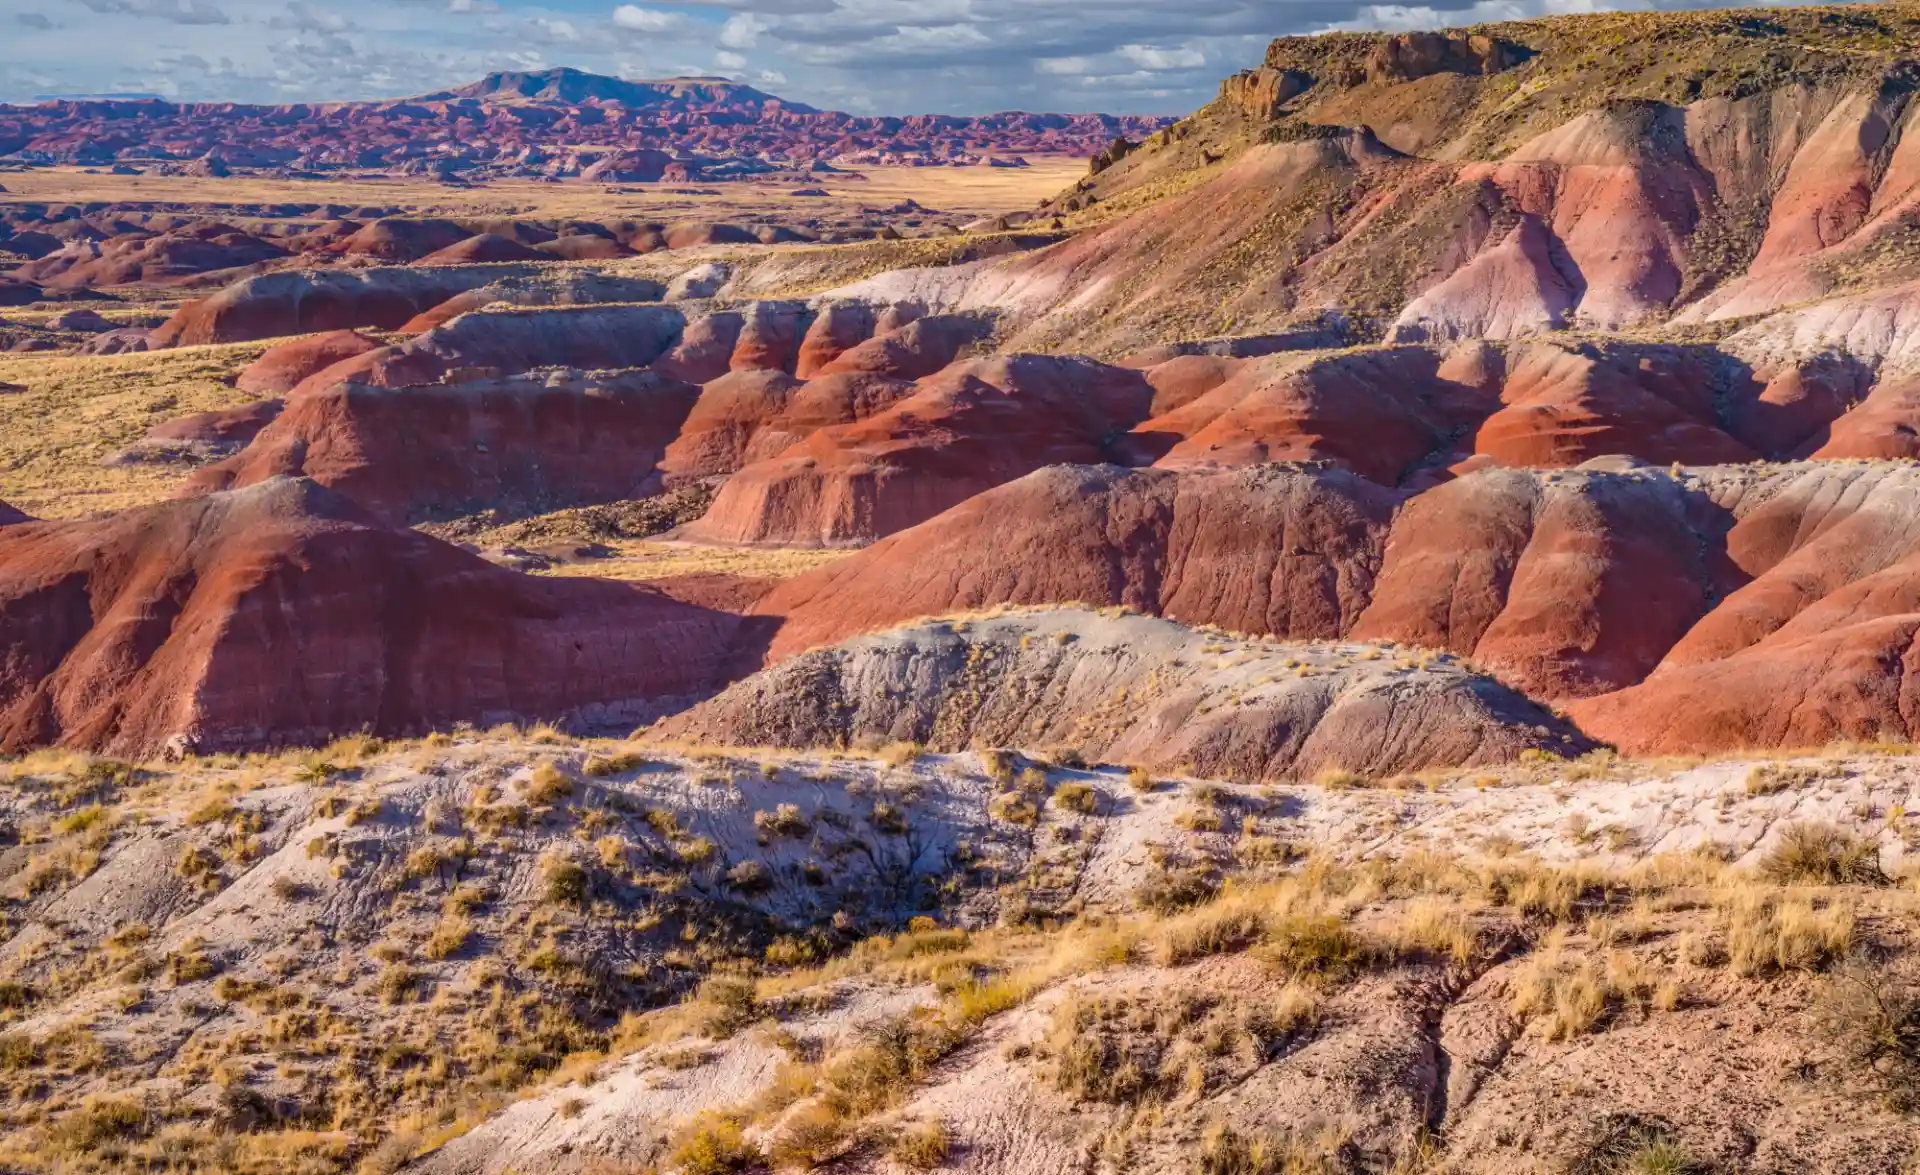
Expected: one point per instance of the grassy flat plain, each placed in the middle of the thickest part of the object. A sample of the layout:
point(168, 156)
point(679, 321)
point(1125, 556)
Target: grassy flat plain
point(79, 410)
point(963, 191)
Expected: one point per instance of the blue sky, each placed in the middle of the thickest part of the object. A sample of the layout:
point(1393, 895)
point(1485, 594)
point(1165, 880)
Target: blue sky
point(865, 56)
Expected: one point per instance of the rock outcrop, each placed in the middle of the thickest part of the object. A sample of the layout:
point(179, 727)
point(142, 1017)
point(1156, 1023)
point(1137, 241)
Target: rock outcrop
point(303, 301)
point(519, 444)
point(972, 426)
point(282, 614)
point(1131, 689)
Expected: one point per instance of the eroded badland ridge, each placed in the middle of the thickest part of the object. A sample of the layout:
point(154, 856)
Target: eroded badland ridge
point(1372, 632)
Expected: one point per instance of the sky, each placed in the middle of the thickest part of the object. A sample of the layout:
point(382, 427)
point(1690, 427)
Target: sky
point(863, 56)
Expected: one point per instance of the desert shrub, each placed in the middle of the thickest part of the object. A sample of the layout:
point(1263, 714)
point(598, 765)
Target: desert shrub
point(887, 818)
point(711, 1144)
point(1209, 930)
point(922, 1146)
point(599, 766)
point(1632, 1144)
point(565, 880)
point(901, 754)
point(400, 984)
point(1820, 854)
point(1076, 797)
point(1340, 779)
point(1435, 928)
point(547, 785)
point(1140, 779)
point(1874, 1019)
point(750, 877)
point(1766, 932)
point(784, 821)
point(811, 1135)
point(1167, 891)
point(1310, 942)
point(1767, 779)
point(728, 1004)
point(1013, 807)
point(99, 1123)
point(449, 935)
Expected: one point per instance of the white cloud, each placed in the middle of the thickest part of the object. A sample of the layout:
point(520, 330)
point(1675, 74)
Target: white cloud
point(742, 31)
point(177, 11)
point(306, 17)
point(1152, 57)
point(726, 59)
point(1064, 66)
point(636, 19)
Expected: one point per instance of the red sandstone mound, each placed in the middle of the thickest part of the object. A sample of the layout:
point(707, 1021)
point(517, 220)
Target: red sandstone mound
point(14, 292)
point(1567, 585)
point(1377, 412)
point(769, 338)
point(839, 327)
point(280, 368)
point(582, 247)
point(720, 431)
point(1565, 405)
point(704, 351)
point(275, 304)
point(1271, 550)
point(520, 444)
point(820, 403)
point(696, 233)
point(282, 614)
point(1131, 689)
point(147, 260)
point(911, 349)
point(203, 436)
point(975, 425)
point(397, 240)
point(483, 345)
point(1817, 646)
point(323, 236)
point(480, 249)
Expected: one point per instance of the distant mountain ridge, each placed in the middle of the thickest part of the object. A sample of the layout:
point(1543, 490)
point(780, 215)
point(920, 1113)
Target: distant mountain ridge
point(546, 124)
point(569, 86)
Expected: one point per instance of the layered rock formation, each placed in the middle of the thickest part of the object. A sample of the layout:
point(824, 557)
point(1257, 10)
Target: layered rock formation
point(1131, 689)
point(283, 614)
point(520, 444)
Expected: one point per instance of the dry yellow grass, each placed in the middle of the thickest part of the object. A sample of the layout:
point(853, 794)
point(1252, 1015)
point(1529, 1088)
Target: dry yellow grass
point(642, 559)
point(77, 410)
point(976, 191)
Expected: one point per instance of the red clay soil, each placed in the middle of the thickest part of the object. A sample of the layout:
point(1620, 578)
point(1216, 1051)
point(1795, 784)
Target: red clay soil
point(483, 248)
point(284, 615)
point(523, 444)
point(223, 427)
point(974, 425)
point(495, 343)
point(304, 301)
point(280, 369)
